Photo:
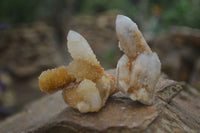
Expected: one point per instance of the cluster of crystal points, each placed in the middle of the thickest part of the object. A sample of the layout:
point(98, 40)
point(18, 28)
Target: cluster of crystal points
point(138, 69)
point(86, 86)
point(92, 86)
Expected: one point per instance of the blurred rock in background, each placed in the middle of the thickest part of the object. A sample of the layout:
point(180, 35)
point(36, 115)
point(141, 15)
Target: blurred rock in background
point(25, 52)
point(179, 51)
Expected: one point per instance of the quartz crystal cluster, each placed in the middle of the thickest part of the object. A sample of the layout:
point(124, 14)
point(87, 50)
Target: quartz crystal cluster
point(92, 86)
point(138, 69)
point(84, 84)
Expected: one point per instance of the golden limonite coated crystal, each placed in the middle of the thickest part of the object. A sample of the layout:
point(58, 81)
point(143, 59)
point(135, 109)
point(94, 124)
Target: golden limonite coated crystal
point(85, 85)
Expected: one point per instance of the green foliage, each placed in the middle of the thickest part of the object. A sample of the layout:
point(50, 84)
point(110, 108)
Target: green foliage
point(98, 6)
point(109, 55)
point(182, 12)
point(16, 11)
point(176, 12)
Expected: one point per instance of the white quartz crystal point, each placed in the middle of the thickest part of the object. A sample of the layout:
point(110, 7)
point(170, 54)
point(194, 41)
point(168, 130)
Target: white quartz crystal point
point(138, 79)
point(123, 73)
point(90, 95)
point(80, 49)
point(131, 41)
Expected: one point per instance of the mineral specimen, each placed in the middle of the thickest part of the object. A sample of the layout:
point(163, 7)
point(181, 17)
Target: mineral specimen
point(92, 86)
point(138, 69)
point(85, 85)
point(84, 64)
point(53, 80)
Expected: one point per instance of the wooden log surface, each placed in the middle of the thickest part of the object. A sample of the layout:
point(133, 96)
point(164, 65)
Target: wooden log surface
point(172, 112)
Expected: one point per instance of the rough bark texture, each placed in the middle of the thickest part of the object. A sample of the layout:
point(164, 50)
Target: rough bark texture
point(120, 114)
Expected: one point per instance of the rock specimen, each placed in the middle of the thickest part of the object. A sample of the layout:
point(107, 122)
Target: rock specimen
point(92, 86)
point(138, 69)
point(85, 85)
point(169, 114)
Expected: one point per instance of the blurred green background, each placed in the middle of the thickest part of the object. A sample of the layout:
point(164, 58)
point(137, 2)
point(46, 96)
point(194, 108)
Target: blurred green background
point(33, 39)
point(177, 12)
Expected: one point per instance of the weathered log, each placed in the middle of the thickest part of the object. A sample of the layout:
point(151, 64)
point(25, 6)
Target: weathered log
point(120, 114)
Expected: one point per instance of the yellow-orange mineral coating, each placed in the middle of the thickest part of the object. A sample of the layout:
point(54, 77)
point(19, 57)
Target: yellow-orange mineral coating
point(54, 79)
point(83, 95)
point(81, 69)
point(89, 96)
point(85, 85)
